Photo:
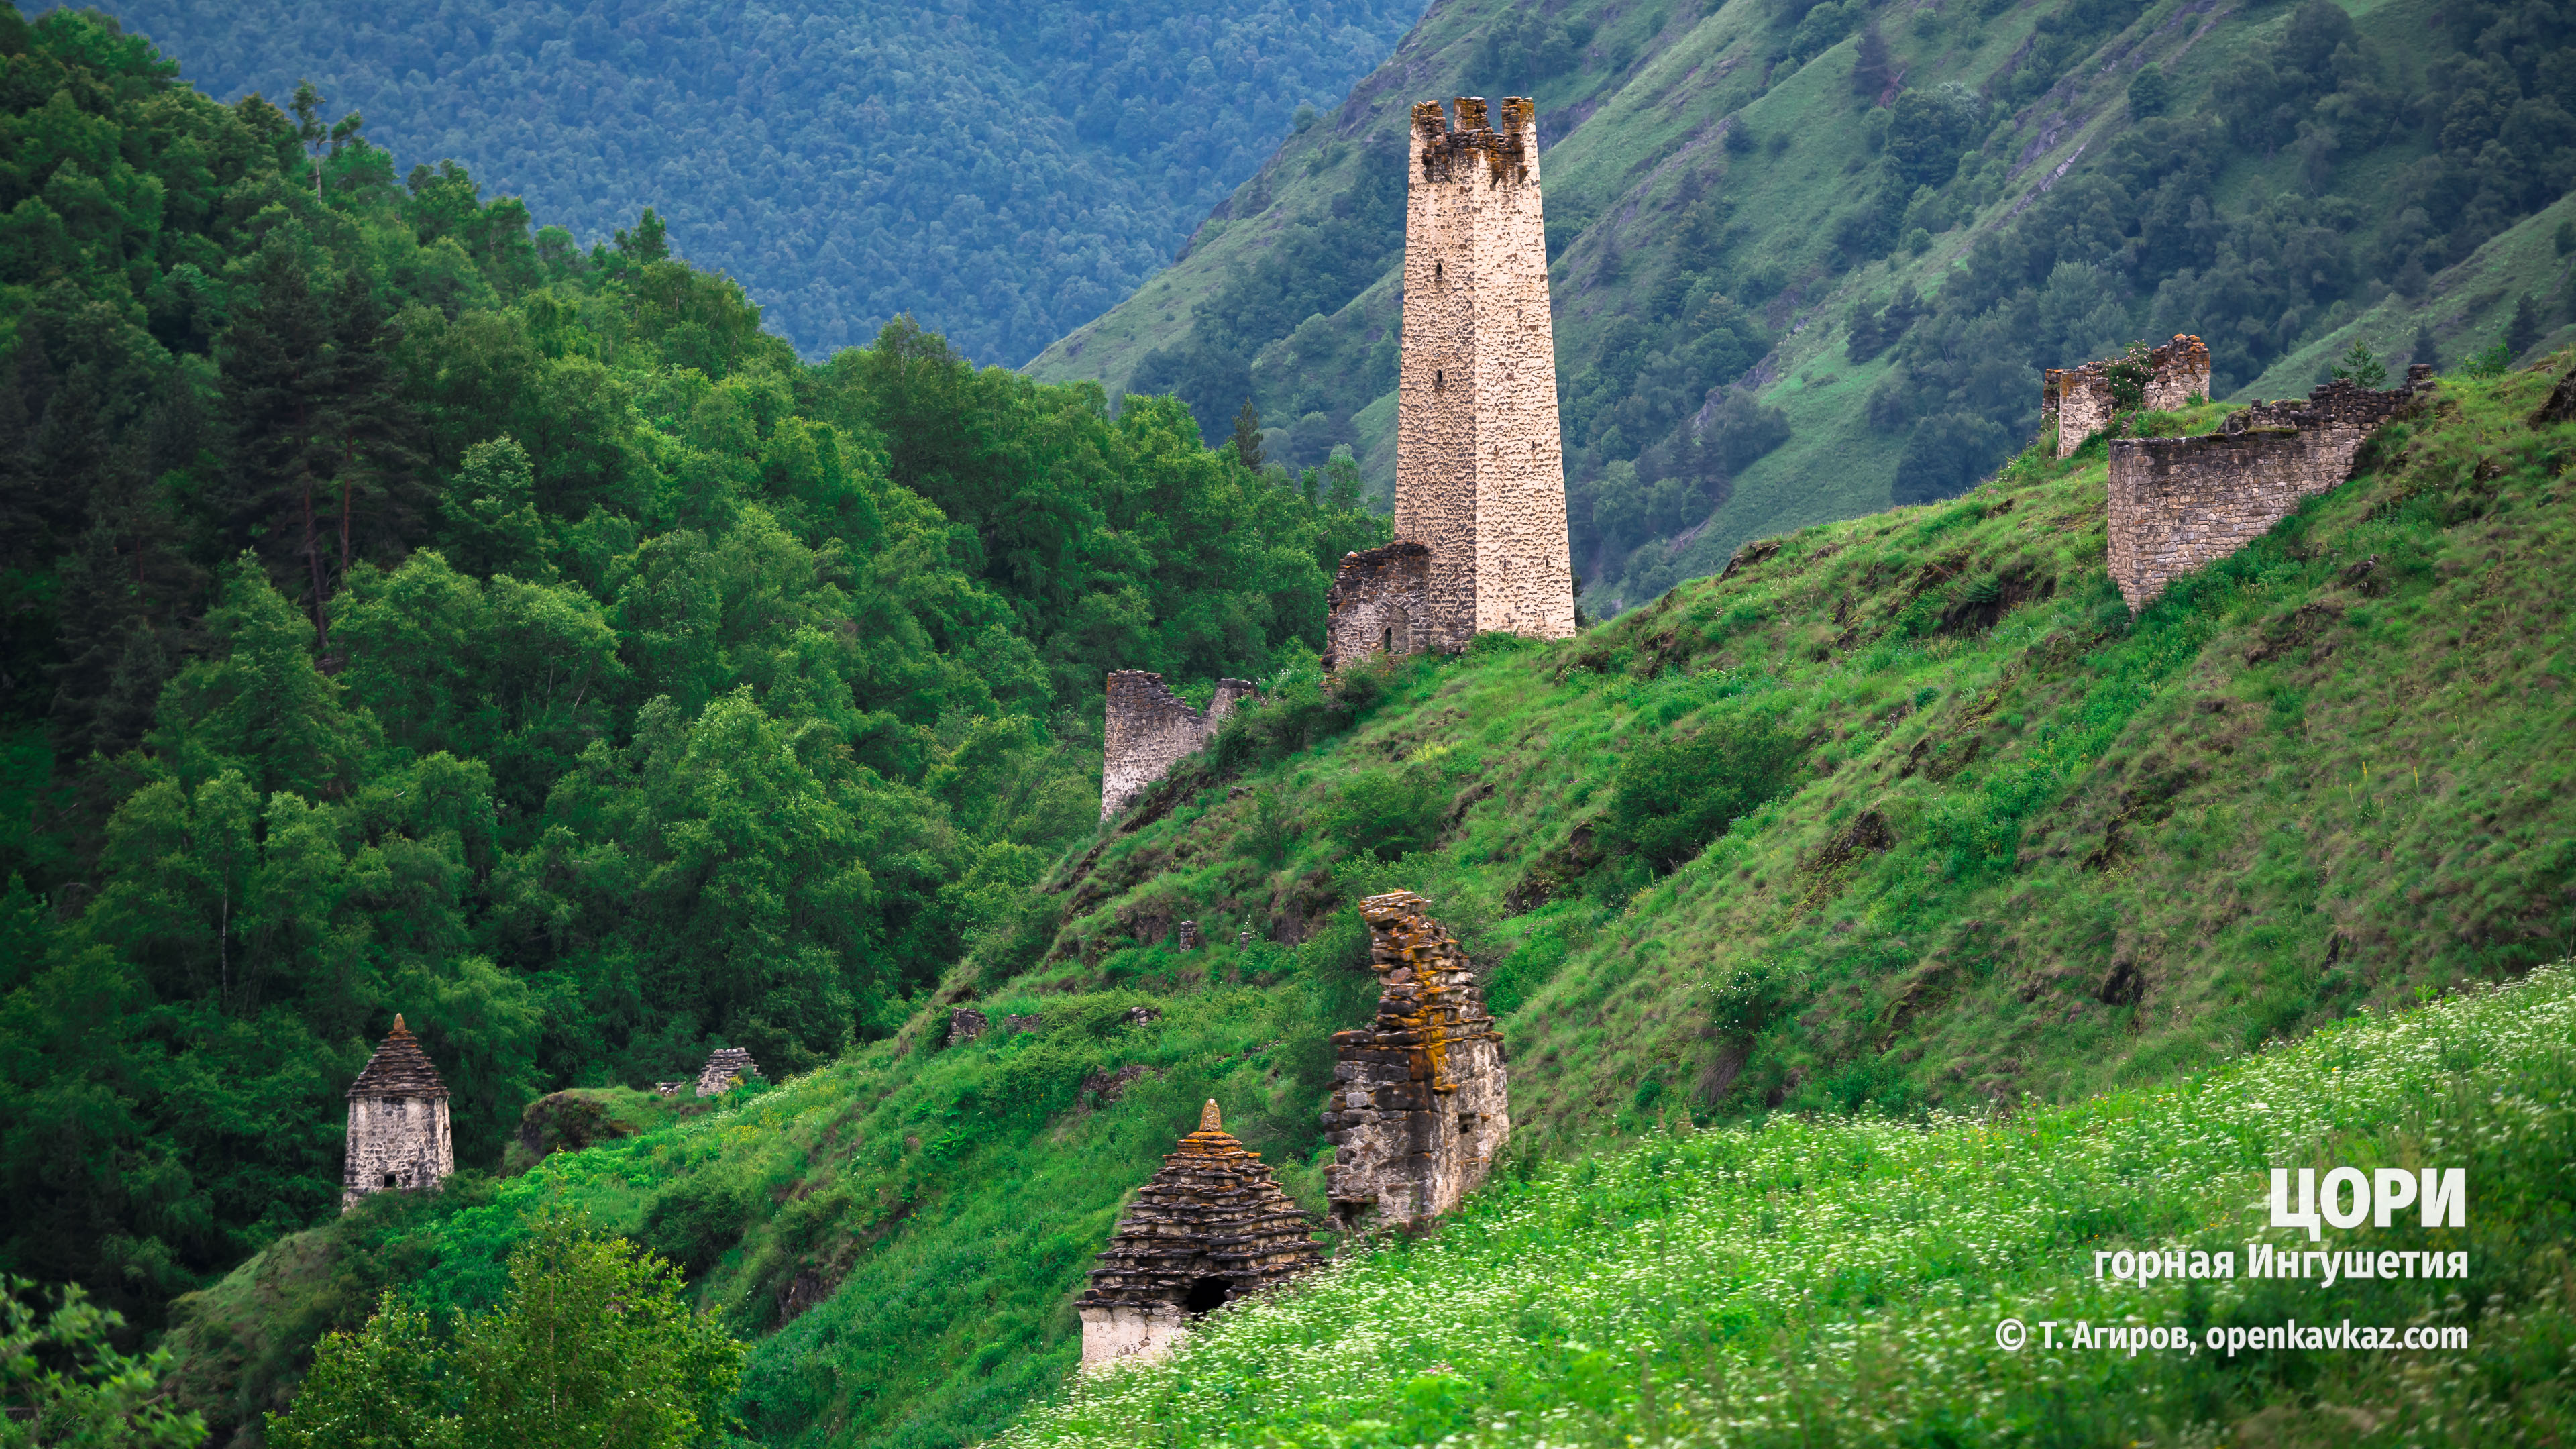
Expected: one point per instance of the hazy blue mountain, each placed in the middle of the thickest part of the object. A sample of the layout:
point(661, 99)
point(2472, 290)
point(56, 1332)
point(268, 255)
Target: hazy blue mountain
point(1006, 172)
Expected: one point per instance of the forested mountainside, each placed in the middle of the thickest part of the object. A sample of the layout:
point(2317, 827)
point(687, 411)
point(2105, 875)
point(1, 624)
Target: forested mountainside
point(1004, 173)
point(408, 612)
point(1904, 819)
point(1808, 257)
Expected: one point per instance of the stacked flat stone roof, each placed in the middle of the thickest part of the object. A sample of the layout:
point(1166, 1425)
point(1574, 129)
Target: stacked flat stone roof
point(1213, 1212)
point(723, 1067)
point(399, 1069)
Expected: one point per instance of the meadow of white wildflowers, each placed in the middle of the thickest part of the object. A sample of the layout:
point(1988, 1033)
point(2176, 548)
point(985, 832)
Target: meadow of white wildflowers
point(1841, 1280)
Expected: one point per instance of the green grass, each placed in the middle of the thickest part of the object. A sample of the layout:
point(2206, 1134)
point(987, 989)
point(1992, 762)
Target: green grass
point(1840, 1280)
point(2034, 851)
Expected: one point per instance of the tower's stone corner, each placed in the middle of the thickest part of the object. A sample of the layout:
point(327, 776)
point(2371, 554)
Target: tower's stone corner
point(2076, 402)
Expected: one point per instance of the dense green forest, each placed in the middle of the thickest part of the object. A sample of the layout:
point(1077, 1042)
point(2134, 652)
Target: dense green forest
point(1002, 172)
point(1809, 257)
point(407, 611)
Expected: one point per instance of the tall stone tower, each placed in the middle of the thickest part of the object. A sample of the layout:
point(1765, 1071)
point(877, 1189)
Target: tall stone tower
point(1479, 467)
point(398, 1135)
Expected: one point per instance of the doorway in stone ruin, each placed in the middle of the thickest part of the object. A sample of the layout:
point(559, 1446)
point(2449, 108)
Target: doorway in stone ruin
point(1206, 1296)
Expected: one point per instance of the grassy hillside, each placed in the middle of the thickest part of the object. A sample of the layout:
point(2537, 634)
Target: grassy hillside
point(1825, 1280)
point(1987, 839)
point(1759, 197)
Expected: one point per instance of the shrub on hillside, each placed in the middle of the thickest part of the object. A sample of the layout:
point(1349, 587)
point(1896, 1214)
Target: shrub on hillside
point(1385, 813)
point(1675, 796)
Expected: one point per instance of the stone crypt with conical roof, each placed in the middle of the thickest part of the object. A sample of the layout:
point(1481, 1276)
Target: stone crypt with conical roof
point(398, 1133)
point(1211, 1227)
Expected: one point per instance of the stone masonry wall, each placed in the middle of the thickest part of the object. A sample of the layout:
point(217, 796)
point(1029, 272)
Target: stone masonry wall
point(396, 1142)
point(1380, 601)
point(1211, 1227)
point(2075, 402)
point(1420, 1102)
point(1150, 729)
point(1480, 468)
point(2178, 504)
point(398, 1132)
point(726, 1068)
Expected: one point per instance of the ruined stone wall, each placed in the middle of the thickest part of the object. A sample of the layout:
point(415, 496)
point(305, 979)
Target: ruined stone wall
point(2075, 402)
point(2178, 504)
point(1380, 601)
point(1480, 468)
point(726, 1069)
point(395, 1142)
point(1420, 1104)
point(1150, 729)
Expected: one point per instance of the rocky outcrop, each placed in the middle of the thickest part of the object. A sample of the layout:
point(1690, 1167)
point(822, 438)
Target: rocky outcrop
point(1210, 1228)
point(1420, 1105)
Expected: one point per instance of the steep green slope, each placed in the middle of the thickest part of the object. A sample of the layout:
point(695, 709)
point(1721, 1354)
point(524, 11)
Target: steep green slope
point(1881, 220)
point(1983, 837)
point(405, 615)
point(1836, 1280)
point(1001, 172)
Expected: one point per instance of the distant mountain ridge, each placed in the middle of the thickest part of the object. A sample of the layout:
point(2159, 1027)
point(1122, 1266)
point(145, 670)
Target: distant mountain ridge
point(1807, 258)
point(1003, 172)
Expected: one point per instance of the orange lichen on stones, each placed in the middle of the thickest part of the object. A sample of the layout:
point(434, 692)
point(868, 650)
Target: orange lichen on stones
point(1209, 1228)
point(1420, 1102)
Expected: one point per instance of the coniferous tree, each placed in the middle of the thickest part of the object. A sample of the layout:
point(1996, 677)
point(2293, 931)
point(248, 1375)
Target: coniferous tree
point(2524, 329)
point(1872, 68)
point(371, 432)
point(1247, 435)
point(2426, 351)
point(277, 386)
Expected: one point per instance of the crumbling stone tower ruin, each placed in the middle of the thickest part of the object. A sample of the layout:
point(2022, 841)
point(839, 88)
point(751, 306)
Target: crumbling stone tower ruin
point(2178, 504)
point(1420, 1106)
point(1151, 729)
point(1210, 1228)
point(2076, 402)
point(726, 1069)
point(1479, 465)
point(398, 1133)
